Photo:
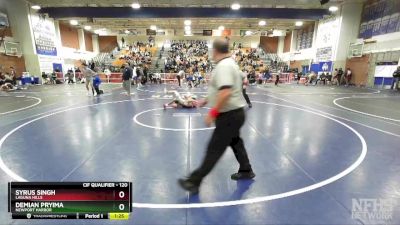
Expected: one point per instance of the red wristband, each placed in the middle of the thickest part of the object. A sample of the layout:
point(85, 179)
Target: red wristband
point(213, 113)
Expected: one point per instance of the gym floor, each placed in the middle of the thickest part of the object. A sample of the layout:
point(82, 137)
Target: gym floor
point(316, 151)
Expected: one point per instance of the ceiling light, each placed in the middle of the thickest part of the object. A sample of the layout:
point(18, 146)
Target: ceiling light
point(127, 31)
point(333, 8)
point(299, 23)
point(188, 32)
point(262, 23)
point(73, 22)
point(135, 6)
point(221, 28)
point(248, 32)
point(188, 22)
point(187, 28)
point(235, 6)
point(88, 27)
point(153, 27)
point(36, 7)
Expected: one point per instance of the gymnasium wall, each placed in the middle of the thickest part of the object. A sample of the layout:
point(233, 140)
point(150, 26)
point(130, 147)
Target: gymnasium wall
point(383, 43)
point(296, 64)
point(107, 43)
point(287, 42)
point(269, 44)
point(69, 36)
point(7, 61)
point(88, 41)
point(359, 67)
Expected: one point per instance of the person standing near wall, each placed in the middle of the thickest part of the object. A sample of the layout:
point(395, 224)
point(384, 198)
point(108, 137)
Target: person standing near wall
point(126, 78)
point(340, 76)
point(396, 78)
point(226, 99)
point(336, 78)
point(107, 72)
point(348, 75)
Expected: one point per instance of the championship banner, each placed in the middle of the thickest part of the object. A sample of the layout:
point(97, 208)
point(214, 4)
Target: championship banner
point(44, 34)
point(327, 35)
point(324, 54)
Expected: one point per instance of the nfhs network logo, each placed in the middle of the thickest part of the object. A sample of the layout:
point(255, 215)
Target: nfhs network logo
point(373, 209)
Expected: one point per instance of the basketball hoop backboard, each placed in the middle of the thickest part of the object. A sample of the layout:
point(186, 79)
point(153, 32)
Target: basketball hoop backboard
point(355, 50)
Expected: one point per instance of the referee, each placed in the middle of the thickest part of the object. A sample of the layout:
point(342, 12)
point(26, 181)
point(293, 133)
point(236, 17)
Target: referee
point(227, 102)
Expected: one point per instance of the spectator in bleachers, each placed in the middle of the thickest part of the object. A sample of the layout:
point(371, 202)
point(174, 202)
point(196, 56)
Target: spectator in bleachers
point(191, 55)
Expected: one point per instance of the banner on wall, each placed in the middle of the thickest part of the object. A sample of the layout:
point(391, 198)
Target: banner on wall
point(385, 71)
point(382, 17)
point(321, 67)
point(46, 63)
point(392, 26)
point(328, 32)
point(325, 66)
point(327, 36)
point(305, 37)
point(324, 54)
point(44, 34)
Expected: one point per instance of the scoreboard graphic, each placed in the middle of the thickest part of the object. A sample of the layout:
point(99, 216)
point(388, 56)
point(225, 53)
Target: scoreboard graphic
point(70, 200)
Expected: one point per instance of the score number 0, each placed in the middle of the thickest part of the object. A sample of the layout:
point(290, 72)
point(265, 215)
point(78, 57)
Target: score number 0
point(121, 195)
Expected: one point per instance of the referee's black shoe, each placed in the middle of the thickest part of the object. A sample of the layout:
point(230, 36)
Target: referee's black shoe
point(189, 186)
point(243, 175)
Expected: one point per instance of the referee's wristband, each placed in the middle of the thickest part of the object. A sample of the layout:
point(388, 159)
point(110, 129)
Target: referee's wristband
point(213, 113)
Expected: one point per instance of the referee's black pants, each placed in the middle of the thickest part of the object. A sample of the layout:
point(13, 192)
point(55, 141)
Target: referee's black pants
point(246, 97)
point(226, 133)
